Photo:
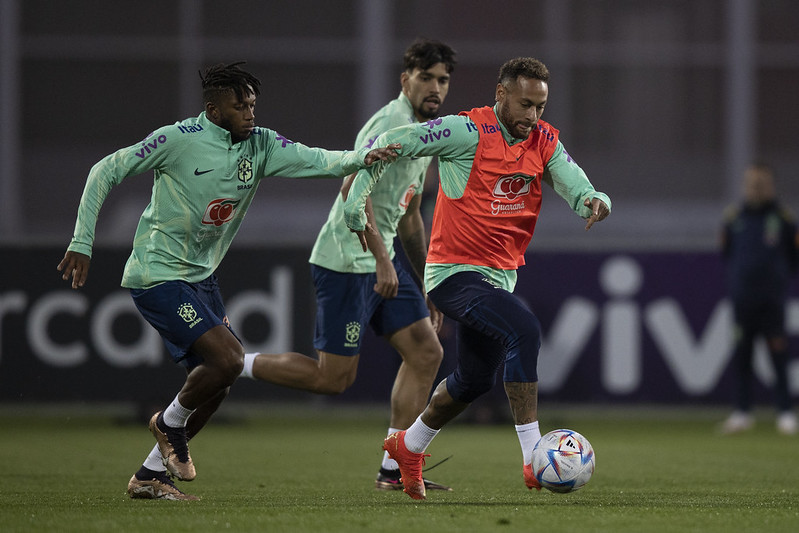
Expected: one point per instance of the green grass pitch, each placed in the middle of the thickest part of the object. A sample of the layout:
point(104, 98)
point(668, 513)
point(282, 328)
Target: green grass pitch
point(283, 468)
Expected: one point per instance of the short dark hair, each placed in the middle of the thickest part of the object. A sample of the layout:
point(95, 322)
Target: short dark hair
point(221, 79)
point(523, 66)
point(424, 53)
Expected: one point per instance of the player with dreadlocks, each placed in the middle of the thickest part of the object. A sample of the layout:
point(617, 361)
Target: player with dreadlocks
point(207, 170)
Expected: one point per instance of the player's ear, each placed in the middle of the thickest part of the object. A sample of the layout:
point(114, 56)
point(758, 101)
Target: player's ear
point(211, 110)
point(500, 94)
point(404, 77)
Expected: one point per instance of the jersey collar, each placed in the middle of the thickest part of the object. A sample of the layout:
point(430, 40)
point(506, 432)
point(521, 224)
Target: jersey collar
point(220, 134)
point(406, 103)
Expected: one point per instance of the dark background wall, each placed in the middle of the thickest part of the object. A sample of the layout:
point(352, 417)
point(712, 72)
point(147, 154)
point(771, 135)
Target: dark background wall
point(661, 101)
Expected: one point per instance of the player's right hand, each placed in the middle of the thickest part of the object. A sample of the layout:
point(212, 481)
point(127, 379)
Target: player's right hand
point(387, 284)
point(75, 264)
point(388, 154)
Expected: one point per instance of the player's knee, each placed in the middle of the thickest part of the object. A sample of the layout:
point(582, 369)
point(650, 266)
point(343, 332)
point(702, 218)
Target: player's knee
point(527, 334)
point(336, 384)
point(435, 353)
point(426, 357)
point(231, 365)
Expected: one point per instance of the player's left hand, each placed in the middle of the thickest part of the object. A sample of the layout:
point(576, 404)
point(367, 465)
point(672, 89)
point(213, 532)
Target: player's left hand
point(75, 264)
point(389, 154)
point(599, 211)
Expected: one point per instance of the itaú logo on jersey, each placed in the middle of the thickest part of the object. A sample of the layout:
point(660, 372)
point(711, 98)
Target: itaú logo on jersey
point(220, 211)
point(511, 187)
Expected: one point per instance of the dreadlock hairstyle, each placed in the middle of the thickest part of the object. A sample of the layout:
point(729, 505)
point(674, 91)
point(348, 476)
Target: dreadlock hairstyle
point(220, 79)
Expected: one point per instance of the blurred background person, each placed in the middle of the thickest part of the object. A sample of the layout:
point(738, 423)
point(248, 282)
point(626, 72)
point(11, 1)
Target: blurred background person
point(760, 246)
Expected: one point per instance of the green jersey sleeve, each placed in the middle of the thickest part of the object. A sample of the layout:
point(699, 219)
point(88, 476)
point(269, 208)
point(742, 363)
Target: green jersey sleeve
point(452, 138)
point(203, 186)
point(109, 172)
point(336, 247)
point(569, 181)
point(291, 159)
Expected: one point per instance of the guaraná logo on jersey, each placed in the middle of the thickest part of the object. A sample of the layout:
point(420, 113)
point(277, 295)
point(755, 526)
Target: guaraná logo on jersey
point(511, 187)
point(220, 211)
point(405, 201)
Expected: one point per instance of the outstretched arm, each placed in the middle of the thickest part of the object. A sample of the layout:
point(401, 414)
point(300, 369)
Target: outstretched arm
point(387, 154)
point(448, 137)
point(291, 159)
point(569, 181)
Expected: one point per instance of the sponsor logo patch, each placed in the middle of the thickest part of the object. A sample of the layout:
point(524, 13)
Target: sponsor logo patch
point(284, 141)
point(511, 187)
point(407, 197)
point(220, 211)
point(150, 144)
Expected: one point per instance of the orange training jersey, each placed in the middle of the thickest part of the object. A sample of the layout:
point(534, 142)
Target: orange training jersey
point(493, 222)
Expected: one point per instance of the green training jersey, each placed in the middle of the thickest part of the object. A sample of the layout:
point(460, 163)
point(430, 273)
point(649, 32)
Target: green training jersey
point(336, 247)
point(203, 185)
point(454, 140)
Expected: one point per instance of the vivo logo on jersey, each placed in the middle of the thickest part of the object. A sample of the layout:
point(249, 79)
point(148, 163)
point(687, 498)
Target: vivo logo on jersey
point(511, 187)
point(283, 141)
point(434, 135)
point(220, 211)
point(150, 144)
point(371, 141)
point(407, 197)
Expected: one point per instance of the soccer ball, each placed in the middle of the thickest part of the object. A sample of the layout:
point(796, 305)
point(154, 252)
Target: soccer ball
point(563, 460)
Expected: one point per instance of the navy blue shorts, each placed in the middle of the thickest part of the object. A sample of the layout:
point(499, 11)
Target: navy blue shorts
point(346, 302)
point(492, 326)
point(181, 312)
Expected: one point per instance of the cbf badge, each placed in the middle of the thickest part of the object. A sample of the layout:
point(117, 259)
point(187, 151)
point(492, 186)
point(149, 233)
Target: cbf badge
point(187, 312)
point(352, 334)
point(245, 170)
point(189, 315)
